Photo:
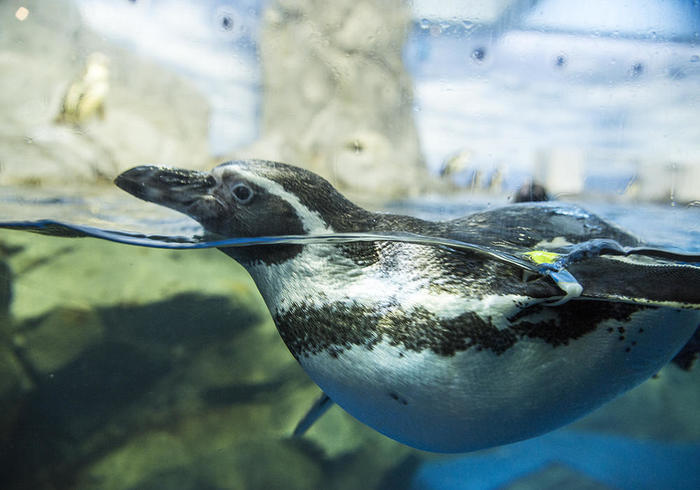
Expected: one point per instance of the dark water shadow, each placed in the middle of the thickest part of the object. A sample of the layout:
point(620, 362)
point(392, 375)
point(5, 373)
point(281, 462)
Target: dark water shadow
point(82, 410)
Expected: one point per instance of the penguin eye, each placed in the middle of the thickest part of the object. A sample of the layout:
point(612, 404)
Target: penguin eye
point(242, 193)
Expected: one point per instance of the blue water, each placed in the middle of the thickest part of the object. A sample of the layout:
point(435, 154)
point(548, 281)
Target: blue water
point(617, 462)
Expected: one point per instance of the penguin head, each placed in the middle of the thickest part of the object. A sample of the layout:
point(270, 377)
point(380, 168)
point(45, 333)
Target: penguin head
point(245, 198)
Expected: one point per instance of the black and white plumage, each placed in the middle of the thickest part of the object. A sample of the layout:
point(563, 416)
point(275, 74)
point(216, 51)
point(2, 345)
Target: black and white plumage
point(440, 348)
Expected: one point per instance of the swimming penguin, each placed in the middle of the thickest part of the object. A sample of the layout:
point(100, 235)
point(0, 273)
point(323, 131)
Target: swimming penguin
point(86, 95)
point(531, 191)
point(442, 347)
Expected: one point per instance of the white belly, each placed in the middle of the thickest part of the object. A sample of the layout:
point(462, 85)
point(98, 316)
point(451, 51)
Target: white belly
point(476, 398)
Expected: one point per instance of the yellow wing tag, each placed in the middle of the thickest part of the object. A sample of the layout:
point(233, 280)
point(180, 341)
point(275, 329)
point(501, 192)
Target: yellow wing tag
point(563, 278)
point(542, 257)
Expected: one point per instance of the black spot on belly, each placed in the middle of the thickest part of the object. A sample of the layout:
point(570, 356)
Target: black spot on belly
point(398, 398)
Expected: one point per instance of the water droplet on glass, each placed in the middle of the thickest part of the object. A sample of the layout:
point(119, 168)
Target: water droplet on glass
point(424, 24)
point(28, 140)
point(226, 23)
point(479, 54)
point(695, 58)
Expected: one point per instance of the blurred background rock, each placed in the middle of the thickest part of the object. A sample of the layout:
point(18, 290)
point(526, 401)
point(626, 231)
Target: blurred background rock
point(379, 97)
point(336, 97)
point(150, 113)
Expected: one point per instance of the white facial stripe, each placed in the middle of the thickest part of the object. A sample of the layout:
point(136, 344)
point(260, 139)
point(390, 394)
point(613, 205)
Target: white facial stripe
point(311, 220)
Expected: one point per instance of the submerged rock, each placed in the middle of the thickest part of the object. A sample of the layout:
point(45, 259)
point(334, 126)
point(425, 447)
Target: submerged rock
point(5, 293)
point(55, 339)
point(162, 369)
point(15, 384)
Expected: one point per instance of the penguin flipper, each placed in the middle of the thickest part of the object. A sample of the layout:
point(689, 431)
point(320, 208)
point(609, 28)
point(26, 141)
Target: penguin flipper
point(319, 407)
point(602, 269)
point(652, 283)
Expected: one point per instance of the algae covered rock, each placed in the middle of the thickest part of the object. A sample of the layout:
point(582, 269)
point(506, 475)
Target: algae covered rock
point(15, 384)
point(163, 369)
point(5, 292)
point(58, 337)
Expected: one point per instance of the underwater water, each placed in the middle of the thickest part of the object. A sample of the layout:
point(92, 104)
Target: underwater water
point(152, 368)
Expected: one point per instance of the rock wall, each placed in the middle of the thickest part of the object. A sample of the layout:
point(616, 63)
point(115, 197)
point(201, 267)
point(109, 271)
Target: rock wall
point(150, 114)
point(336, 96)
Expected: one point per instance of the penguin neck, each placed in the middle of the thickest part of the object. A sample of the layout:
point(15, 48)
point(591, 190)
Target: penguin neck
point(348, 219)
point(262, 254)
point(273, 266)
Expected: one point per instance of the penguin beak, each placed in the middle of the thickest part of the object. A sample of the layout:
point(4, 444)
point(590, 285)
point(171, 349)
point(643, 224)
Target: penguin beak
point(187, 191)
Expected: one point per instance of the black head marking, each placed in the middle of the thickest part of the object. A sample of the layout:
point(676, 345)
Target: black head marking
point(311, 191)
